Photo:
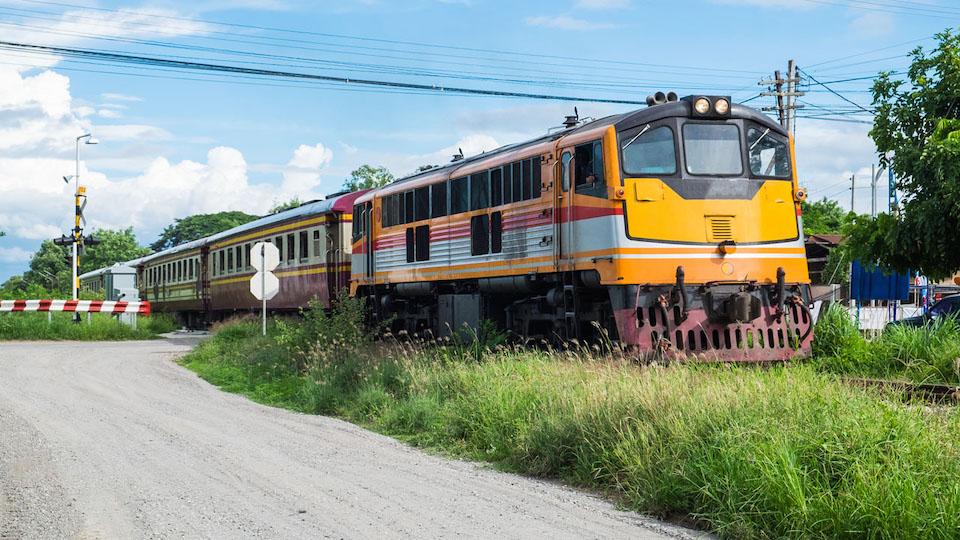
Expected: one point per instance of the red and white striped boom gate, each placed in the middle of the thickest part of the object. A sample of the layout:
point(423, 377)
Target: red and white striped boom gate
point(90, 306)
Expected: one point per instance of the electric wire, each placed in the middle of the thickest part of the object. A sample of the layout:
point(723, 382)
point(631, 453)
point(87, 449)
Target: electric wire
point(223, 68)
point(395, 42)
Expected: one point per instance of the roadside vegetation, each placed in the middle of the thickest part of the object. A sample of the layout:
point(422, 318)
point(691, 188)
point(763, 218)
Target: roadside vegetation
point(744, 451)
point(930, 354)
point(102, 327)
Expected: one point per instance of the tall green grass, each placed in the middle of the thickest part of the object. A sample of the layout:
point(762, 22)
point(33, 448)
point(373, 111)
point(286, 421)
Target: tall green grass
point(748, 452)
point(929, 354)
point(102, 327)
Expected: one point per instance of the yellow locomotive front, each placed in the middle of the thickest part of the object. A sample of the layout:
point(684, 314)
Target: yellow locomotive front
point(711, 258)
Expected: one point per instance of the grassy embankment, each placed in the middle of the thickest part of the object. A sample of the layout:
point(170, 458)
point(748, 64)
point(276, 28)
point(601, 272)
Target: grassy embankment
point(750, 453)
point(102, 327)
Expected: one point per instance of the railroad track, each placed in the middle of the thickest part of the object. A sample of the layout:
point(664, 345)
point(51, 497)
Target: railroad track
point(937, 393)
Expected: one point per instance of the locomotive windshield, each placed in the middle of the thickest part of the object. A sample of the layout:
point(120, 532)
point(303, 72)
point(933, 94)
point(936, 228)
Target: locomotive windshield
point(712, 149)
point(649, 151)
point(767, 153)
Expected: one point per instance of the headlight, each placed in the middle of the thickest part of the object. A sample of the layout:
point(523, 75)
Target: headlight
point(721, 106)
point(702, 105)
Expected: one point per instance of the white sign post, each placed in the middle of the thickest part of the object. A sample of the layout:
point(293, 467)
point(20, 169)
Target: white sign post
point(264, 285)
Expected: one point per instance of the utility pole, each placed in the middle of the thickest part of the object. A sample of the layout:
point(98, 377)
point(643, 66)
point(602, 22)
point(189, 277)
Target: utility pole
point(873, 192)
point(792, 81)
point(853, 189)
point(775, 85)
point(783, 121)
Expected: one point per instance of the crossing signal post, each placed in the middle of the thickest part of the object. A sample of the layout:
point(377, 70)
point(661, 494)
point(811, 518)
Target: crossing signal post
point(77, 240)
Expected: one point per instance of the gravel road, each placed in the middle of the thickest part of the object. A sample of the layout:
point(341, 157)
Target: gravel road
point(115, 440)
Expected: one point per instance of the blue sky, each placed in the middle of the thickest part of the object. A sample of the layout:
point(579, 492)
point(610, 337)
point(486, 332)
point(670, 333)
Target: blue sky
point(175, 143)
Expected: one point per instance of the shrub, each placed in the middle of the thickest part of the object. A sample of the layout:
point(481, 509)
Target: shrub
point(101, 327)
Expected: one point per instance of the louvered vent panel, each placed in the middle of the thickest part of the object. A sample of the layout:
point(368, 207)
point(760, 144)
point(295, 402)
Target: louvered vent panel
point(720, 228)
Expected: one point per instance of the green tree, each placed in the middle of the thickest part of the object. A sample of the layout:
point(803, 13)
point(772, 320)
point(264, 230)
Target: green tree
point(14, 286)
point(117, 246)
point(915, 121)
point(824, 217)
point(280, 207)
point(51, 266)
point(366, 177)
point(199, 226)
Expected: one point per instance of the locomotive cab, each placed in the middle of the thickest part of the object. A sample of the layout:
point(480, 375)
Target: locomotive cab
point(711, 216)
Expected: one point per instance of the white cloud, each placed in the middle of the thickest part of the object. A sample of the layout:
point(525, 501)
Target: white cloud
point(38, 128)
point(301, 176)
point(471, 145)
point(109, 113)
point(828, 153)
point(564, 22)
point(14, 255)
point(873, 25)
point(73, 24)
point(120, 97)
point(603, 4)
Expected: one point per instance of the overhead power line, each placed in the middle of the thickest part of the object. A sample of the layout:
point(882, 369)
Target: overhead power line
point(834, 92)
point(129, 59)
point(391, 41)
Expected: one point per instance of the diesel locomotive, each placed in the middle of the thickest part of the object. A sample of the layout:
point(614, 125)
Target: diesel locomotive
point(674, 229)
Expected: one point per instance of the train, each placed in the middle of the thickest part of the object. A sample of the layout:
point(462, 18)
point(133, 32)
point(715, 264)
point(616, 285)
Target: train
point(671, 229)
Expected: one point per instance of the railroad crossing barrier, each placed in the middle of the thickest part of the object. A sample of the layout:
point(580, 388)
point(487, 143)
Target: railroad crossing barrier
point(89, 306)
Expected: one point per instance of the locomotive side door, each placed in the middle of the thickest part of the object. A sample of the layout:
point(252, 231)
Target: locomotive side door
point(563, 211)
point(367, 244)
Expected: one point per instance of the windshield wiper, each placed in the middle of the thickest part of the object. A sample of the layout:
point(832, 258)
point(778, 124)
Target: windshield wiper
point(760, 138)
point(642, 131)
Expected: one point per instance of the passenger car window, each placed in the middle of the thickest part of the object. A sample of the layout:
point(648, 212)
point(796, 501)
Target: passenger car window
point(767, 153)
point(649, 151)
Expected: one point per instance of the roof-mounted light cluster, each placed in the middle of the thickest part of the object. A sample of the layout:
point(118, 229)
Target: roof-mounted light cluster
point(660, 98)
point(709, 106)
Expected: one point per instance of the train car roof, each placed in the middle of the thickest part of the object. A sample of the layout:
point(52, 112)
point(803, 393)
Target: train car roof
point(101, 271)
point(340, 203)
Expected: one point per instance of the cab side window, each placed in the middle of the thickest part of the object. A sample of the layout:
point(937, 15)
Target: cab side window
point(588, 170)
